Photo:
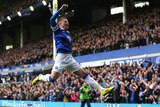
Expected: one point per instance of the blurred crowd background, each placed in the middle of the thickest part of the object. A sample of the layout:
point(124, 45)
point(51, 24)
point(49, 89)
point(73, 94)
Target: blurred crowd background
point(140, 30)
point(140, 82)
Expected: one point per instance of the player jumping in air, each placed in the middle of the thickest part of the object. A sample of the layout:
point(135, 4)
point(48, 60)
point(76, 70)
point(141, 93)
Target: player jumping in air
point(64, 58)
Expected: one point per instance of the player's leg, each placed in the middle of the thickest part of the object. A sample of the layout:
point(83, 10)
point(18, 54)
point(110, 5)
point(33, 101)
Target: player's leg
point(48, 77)
point(77, 70)
point(56, 71)
point(89, 80)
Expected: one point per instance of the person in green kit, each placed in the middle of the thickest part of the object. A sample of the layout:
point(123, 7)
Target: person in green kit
point(84, 95)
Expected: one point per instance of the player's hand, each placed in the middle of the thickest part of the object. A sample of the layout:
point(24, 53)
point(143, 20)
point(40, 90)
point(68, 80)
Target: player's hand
point(64, 7)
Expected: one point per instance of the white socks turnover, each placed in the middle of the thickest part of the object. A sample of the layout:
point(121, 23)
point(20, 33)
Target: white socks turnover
point(45, 77)
point(89, 80)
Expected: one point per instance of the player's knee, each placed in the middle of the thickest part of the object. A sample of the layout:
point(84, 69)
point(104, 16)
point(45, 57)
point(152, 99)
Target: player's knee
point(55, 75)
point(85, 75)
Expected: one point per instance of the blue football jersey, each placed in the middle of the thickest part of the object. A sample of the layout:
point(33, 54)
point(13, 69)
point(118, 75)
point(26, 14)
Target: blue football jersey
point(62, 37)
point(63, 41)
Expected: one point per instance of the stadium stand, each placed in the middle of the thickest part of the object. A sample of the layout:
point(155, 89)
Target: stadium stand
point(14, 5)
point(103, 37)
point(139, 30)
point(33, 52)
point(135, 78)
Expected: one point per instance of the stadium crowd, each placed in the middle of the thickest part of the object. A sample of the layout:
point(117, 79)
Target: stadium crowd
point(134, 83)
point(37, 51)
point(141, 29)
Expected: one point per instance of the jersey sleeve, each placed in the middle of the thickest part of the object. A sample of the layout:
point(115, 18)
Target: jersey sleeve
point(53, 23)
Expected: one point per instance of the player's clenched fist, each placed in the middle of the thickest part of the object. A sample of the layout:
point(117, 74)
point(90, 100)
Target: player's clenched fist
point(64, 7)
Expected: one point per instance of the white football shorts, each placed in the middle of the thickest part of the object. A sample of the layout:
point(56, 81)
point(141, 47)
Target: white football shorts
point(65, 61)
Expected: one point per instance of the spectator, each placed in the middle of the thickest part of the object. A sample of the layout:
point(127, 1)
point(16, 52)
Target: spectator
point(66, 96)
point(59, 95)
point(73, 96)
point(133, 92)
point(123, 97)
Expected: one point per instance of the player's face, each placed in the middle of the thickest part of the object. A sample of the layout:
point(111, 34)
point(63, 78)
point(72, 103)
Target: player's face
point(64, 24)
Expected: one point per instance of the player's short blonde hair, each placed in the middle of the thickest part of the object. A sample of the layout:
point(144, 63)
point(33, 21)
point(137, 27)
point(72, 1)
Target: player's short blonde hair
point(61, 18)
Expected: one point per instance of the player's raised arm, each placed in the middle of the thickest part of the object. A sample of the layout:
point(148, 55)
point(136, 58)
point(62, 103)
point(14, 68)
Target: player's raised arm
point(55, 15)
